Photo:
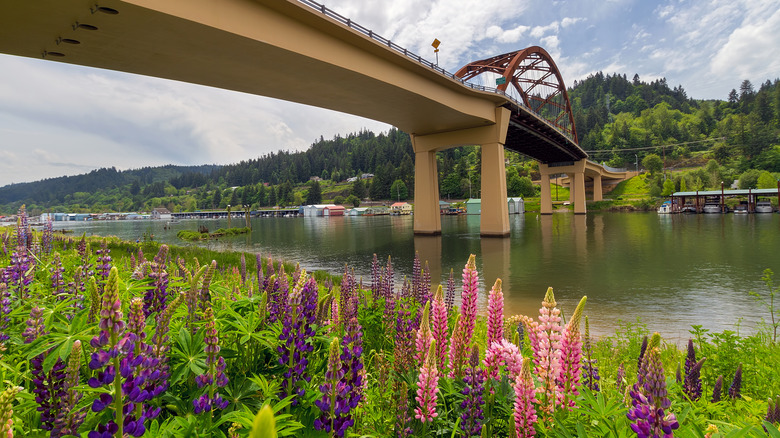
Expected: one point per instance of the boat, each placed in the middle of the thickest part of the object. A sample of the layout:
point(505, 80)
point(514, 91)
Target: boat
point(688, 208)
point(741, 208)
point(715, 208)
point(665, 208)
point(764, 207)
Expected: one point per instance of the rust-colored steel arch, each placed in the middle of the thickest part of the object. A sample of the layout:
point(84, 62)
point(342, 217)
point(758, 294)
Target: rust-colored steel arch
point(534, 75)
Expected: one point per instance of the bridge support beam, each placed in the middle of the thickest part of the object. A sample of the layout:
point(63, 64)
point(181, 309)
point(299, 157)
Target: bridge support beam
point(427, 219)
point(597, 189)
point(546, 193)
point(494, 219)
point(576, 172)
point(579, 192)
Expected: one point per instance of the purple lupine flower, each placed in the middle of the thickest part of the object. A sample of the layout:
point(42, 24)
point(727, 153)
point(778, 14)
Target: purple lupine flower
point(69, 419)
point(473, 416)
point(214, 377)
point(334, 403)
point(649, 400)
point(347, 296)
point(5, 309)
point(427, 388)
point(156, 296)
point(388, 281)
point(204, 299)
point(296, 336)
point(589, 363)
point(717, 389)
point(376, 277)
point(571, 358)
point(103, 261)
point(495, 317)
point(620, 379)
point(772, 409)
point(692, 381)
point(389, 320)
point(450, 301)
point(48, 236)
point(352, 361)
point(243, 268)
point(49, 388)
point(525, 399)
point(404, 330)
point(736, 384)
point(417, 292)
point(439, 328)
point(57, 282)
point(403, 420)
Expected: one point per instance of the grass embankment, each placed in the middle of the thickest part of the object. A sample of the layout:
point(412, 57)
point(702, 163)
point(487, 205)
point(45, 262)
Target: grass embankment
point(190, 235)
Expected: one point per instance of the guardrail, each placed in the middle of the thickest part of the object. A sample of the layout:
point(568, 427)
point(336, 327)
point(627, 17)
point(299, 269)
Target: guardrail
point(324, 10)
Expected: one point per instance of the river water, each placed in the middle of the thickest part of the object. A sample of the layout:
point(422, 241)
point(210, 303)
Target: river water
point(667, 271)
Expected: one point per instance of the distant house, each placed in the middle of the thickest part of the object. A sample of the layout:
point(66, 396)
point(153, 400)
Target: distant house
point(161, 213)
point(474, 206)
point(401, 208)
point(315, 209)
point(315, 178)
point(516, 205)
point(353, 179)
point(366, 176)
point(444, 207)
point(333, 210)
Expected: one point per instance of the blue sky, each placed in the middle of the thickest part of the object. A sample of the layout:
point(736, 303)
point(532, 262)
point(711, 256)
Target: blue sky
point(57, 119)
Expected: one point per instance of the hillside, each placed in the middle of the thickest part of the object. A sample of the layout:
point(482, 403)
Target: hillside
point(619, 121)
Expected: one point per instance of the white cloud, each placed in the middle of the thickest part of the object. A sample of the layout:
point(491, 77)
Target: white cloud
point(539, 31)
point(747, 51)
point(570, 21)
point(506, 36)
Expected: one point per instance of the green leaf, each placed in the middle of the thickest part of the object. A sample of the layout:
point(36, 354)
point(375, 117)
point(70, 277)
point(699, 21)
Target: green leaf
point(264, 425)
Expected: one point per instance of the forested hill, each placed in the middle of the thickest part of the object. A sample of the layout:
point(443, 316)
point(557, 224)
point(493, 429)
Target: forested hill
point(618, 121)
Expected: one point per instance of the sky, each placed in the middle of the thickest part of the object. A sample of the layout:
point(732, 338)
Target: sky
point(57, 119)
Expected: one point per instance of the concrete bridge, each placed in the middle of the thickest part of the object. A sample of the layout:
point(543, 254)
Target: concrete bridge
point(300, 51)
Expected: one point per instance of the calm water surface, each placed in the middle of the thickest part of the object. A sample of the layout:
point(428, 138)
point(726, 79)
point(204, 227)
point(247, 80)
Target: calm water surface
point(669, 271)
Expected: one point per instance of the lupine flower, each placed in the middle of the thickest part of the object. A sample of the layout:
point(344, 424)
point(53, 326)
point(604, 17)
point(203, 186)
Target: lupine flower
point(48, 236)
point(424, 337)
point(772, 411)
point(545, 338)
point(620, 379)
point(403, 420)
point(650, 399)
point(495, 317)
point(692, 381)
point(439, 327)
point(506, 354)
point(205, 294)
point(297, 331)
point(427, 388)
point(450, 291)
point(717, 389)
point(404, 330)
point(335, 396)
point(57, 282)
point(711, 431)
point(6, 410)
point(214, 377)
point(48, 387)
point(69, 419)
point(388, 283)
point(472, 417)
point(590, 369)
point(103, 261)
point(525, 399)
point(571, 357)
point(736, 384)
point(156, 296)
point(352, 361)
point(469, 297)
point(457, 351)
point(417, 292)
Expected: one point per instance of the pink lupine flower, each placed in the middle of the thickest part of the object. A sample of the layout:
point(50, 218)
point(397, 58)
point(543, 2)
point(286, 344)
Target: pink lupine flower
point(469, 297)
point(571, 358)
point(427, 387)
point(495, 321)
point(525, 397)
point(457, 351)
point(545, 336)
point(424, 337)
point(439, 327)
point(503, 353)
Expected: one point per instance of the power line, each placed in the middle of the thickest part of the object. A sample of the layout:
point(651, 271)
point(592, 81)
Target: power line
point(656, 147)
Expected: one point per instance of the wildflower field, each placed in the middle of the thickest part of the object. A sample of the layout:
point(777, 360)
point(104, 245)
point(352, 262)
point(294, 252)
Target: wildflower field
point(105, 338)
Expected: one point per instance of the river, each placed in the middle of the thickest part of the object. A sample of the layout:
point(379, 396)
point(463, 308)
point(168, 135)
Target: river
point(668, 271)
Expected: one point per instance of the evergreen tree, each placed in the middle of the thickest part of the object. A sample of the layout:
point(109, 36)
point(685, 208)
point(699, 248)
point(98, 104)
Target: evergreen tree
point(315, 193)
point(359, 189)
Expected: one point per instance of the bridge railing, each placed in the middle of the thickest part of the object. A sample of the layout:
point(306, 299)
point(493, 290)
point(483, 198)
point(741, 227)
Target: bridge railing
point(324, 10)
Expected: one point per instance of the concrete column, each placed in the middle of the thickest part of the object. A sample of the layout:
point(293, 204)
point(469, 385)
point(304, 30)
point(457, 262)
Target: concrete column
point(427, 219)
point(546, 193)
point(495, 211)
point(578, 184)
point(597, 192)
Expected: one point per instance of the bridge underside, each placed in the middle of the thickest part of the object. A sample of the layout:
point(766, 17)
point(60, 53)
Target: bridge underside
point(531, 136)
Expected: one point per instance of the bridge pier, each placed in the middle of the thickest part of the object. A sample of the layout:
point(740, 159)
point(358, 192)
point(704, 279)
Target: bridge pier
point(597, 189)
point(576, 172)
point(494, 220)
